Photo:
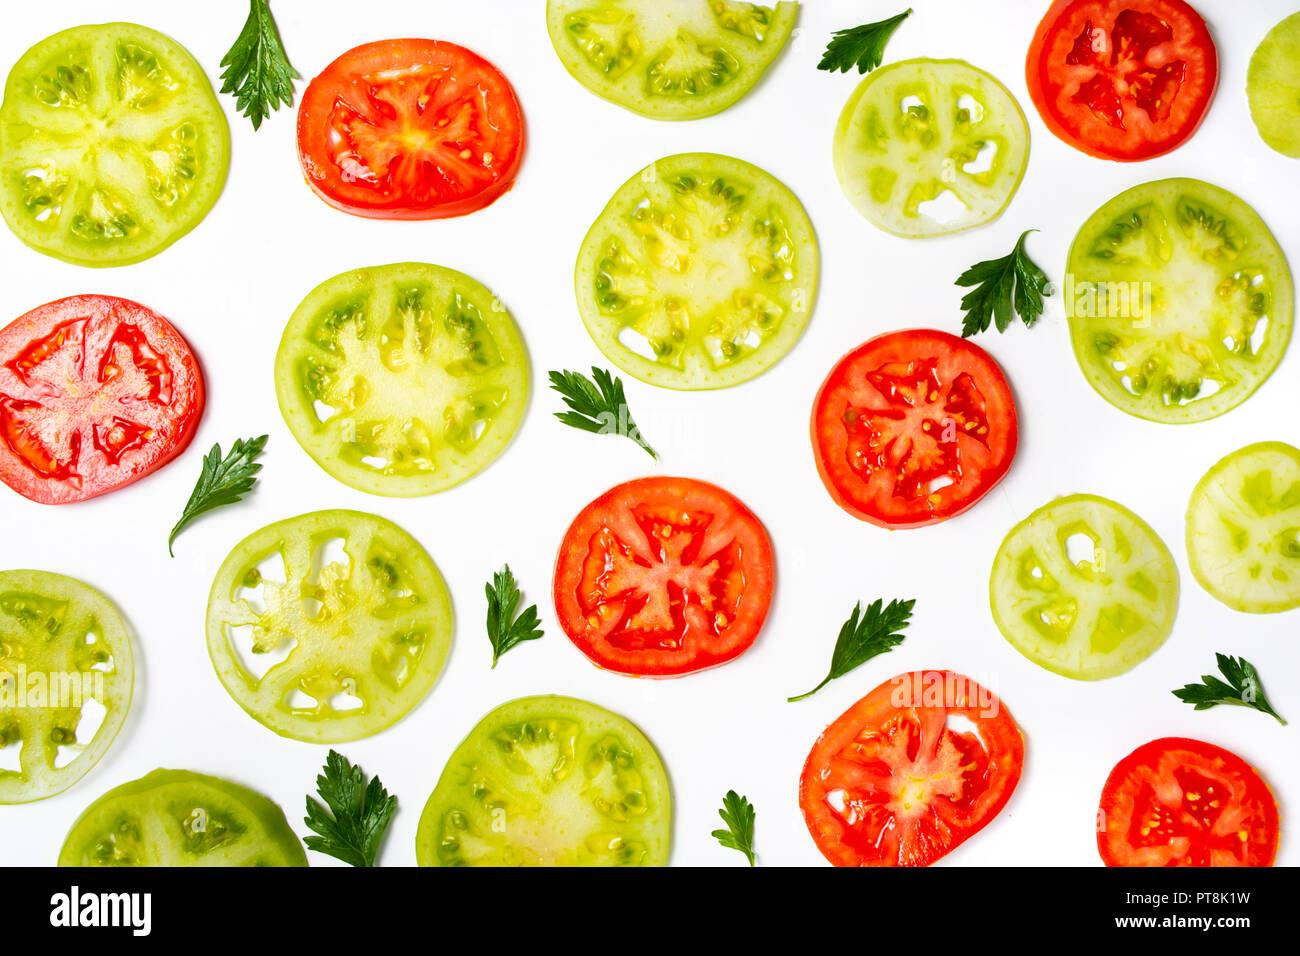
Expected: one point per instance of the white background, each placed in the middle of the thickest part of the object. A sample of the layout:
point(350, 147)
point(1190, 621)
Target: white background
point(232, 283)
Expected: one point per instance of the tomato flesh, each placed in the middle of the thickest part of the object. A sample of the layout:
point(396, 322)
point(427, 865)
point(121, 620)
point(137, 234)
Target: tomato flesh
point(661, 577)
point(1273, 87)
point(1182, 802)
point(410, 129)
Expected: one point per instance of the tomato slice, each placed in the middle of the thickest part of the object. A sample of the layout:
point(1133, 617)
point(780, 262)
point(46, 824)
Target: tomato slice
point(913, 427)
point(329, 626)
point(699, 273)
point(1084, 588)
point(1122, 79)
point(1182, 802)
point(669, 61)
point(403, 379)
point(661, 577)
point(1243, 529)
point(1273, 87)
point(181, 818)
point(112, 145)
point(549, 781)
point(95, 393)
point(66, 678)
point(911, 771)
point(930, 147)
point(410, 129)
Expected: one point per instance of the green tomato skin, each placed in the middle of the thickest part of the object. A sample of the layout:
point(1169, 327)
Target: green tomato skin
point(1273, 87)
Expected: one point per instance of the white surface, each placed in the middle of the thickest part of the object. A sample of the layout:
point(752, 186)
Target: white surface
point(231, 284)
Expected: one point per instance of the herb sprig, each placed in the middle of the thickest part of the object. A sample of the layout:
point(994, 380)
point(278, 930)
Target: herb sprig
point(863, 47)
point(504, 629)
point(223, 481)
point(599, 406)
point(257, 70)
point(738, 814)
point(1240, 686)
point(359, 812)
point(865, 636)
point(1003, 287)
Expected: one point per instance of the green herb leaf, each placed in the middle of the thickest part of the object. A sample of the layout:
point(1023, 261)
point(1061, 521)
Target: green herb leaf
point(1242, 688)
point(1011, 285)
point(257, 70)
point(738, 814)
point(863, 47)
point(865, 636)
point(358, 814)
point(599, 407)
point(222, 481)
point(504, 629)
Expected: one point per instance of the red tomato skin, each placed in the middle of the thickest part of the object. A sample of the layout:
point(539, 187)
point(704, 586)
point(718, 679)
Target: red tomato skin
point(326, 180)
point(104, 316)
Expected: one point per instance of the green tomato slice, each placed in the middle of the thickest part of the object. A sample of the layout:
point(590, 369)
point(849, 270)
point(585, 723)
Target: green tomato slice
point(1084, 588)
point(112, 145)
point(66, 678)
point(180, 818)
point(549, 781)
point(1243, 529)
point(402, 380)
point(930, 147)
point(1273, 87)
point(1179, 301)
point(669, 59)
point(700, 273)
point(329, 626)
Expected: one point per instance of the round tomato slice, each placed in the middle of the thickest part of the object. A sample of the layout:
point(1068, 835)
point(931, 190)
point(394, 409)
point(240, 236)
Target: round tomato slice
point(410, 129)
point(329, 626)
point(66, 678)
point(112, 145)
point(1122, 79)
point(699, 273)
point(95, 392)
point(1273, 87)
point(549, 781)
point(1182, 802)
point(181, 818)
point(911, 771)
point(913, 427)
point(661, 577)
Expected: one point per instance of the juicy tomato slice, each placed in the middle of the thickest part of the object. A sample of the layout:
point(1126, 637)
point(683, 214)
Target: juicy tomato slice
point(913, 427)
point(1122, 79)
point(410, 129)
point(95, 392)
point(549, 781)
point(1273, 87)
point(181, 818)
point(892, 782)
point(1182, 802)
point(661, 577)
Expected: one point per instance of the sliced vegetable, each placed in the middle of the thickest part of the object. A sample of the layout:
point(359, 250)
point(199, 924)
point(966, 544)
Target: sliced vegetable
point(504, 629)
point(1240, 686)
point(738, 814)
point(862, 47)
point(1004, 288)
point(1273, 87)
point(877, 632)
point(599, 406)
point(258, 71)
point(359, 809)
point(223, 481)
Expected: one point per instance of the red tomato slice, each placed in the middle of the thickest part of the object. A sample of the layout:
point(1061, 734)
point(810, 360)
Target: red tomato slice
point(1181, 802)
point(911, 771)
point(661, 577)
point(913, 427)
point(1122, 79)
point(95, 392)
point(410, 129)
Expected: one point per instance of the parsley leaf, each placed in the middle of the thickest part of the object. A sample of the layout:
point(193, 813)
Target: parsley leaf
point(222, 481)
point(1242, 688)
point(1014, 281)
point(599, 407)
point(738, 814)
point(357, 817)
point(863, 47)
point(864, 636)
point(504, 629)
point(258, 71)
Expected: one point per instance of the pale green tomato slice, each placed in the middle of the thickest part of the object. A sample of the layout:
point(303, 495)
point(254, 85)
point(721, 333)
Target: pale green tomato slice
point(1273, 87)
point(669, 59)
point(180, 818)
point(329, 626)
point(930, 147)
point(1084, 588)
point(1243, 529)
point(112, 145)
point(700, 273)
point(549, 781)
point(1179, 301)
point(66, 678)
point(402, 380)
